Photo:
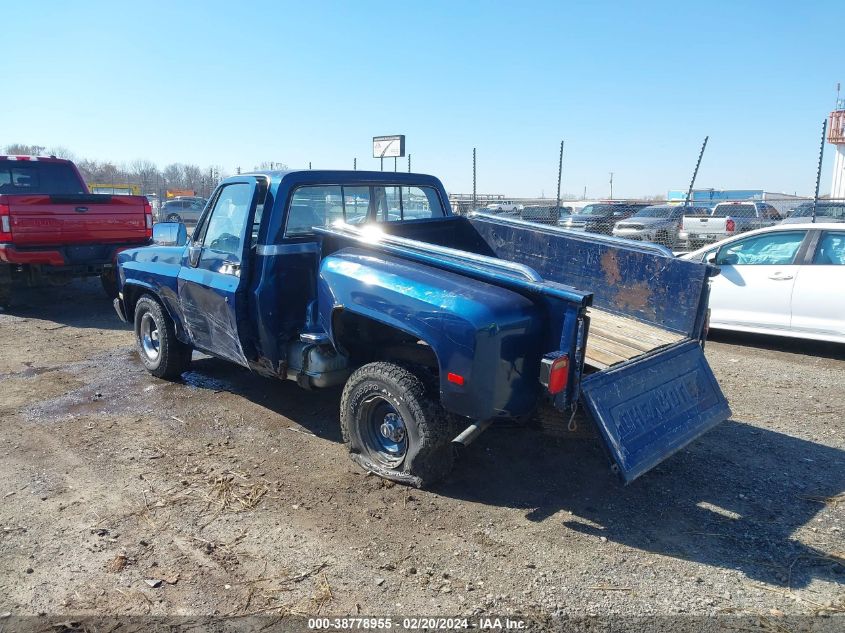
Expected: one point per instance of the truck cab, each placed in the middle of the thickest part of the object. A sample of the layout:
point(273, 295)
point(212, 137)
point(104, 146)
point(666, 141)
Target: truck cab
point(435, 325)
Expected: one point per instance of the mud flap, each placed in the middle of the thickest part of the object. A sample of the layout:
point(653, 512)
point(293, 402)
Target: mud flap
point(648, 409)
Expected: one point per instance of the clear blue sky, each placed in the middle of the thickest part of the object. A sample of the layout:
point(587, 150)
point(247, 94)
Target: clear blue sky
point(633, 87)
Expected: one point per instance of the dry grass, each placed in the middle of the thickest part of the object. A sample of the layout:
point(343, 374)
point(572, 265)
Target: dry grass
point(235, 492)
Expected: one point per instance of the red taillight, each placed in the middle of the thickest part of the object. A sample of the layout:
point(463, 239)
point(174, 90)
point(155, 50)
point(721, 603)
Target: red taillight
point(5, 223)
point(730, 225)
point(148, 218)
point(554, 373)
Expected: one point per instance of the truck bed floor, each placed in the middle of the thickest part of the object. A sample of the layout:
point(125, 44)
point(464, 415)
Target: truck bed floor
point(614, 339)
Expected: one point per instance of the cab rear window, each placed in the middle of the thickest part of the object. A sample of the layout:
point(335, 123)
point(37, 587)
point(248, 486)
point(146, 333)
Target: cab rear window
point(25, 177)
point(359, 204)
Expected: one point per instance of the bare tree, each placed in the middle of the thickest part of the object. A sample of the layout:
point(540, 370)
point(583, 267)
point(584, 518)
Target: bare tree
point(145, 172)
point(173, 177)
point(60, 151)
point(193, 177)
point(140, 171)
point(271, 164)
point(22, 149)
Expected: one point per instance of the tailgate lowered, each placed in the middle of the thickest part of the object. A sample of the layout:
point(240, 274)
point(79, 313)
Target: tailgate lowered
point(648, 409)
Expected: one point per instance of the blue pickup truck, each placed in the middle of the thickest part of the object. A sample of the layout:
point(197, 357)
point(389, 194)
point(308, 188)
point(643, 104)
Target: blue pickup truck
point(436, 325)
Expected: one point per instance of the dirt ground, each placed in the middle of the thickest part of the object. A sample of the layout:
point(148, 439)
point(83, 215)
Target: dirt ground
point(230, 494)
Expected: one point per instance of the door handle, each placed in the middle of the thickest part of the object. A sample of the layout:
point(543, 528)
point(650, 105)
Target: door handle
point(777, 277)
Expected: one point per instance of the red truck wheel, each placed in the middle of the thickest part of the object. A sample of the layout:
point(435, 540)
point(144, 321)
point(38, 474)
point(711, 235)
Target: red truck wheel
point(5, 287)
point(393, 428)
point(109, 280)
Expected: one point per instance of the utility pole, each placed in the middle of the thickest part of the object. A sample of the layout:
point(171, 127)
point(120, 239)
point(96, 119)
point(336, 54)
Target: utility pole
point(395, 164)
point(355, 164)
point(611, 185)
point(819, 170)
point(409, 163)
point(309, 164)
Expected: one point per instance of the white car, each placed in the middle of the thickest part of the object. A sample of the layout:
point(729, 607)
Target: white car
point(786, 280)
point(504, 205)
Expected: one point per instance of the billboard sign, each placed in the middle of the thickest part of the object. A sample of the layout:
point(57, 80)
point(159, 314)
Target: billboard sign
point(389, 146)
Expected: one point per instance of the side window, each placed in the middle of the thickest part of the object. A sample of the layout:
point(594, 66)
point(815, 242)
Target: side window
point(313, 206)
point(226, 223)
point(769, 249)
point(356, 203)
point(831, 249)
point(388, 204)
point(419, 203)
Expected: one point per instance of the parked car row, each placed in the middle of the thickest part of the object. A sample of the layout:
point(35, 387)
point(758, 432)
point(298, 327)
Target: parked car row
point(601, 218)
point(685, 228)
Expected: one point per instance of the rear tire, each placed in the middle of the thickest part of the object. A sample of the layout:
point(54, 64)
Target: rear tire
point(393, 428)
point(109, 280)
point(5, 287)
point(161, 352)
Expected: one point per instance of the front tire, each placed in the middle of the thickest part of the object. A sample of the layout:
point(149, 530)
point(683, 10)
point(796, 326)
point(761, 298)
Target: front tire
point(162, 353)
point(393, 428)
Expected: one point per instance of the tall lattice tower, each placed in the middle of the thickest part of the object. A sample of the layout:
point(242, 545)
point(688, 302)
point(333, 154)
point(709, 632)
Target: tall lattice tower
point(836, 136)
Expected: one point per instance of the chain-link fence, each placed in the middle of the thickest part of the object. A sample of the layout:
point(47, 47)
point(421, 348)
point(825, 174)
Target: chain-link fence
point(670, 223)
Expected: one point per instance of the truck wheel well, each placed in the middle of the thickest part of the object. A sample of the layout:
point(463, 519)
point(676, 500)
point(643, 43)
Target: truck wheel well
point(131, 294)
point(365, 340)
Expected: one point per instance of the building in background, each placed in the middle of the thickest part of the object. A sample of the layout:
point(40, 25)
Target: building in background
point(836, 136)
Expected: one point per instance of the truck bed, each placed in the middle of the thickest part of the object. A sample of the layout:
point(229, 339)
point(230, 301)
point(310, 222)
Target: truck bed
point(643, 298)
point(614, 339)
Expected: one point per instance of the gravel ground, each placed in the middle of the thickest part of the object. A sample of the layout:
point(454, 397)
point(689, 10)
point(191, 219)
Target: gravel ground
point(230, 494)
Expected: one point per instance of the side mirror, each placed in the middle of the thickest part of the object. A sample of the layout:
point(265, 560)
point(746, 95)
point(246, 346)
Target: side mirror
point(710, 258)
point(170, 234)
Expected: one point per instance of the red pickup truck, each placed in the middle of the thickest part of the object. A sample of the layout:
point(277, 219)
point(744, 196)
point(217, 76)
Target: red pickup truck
point(52, 228)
